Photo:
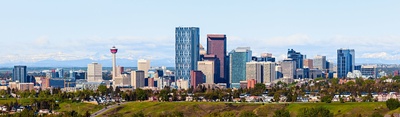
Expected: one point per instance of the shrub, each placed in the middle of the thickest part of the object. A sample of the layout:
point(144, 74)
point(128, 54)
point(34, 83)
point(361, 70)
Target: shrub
point(376, 114)
point(315, 112)
point(282, 113)
point(392, 104)
point(247, 114)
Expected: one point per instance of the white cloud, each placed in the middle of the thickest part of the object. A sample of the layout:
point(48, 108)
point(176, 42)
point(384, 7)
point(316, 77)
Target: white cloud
point(41, 41)
point(381, 55)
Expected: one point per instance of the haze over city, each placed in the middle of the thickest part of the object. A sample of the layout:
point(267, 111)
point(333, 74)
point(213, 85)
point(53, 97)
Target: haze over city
point(65, 31)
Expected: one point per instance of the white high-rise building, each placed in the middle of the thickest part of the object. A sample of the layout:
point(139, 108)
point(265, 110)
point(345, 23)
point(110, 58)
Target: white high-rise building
point(320, 62)
point(94, 72)
point(254, 71)
point(144, 65)
point(269, 69)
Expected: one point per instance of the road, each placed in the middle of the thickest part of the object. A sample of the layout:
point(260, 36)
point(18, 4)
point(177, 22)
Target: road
point(105, 109)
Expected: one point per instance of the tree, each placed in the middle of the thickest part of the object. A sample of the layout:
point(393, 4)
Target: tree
point(392, 104)
point(281, 113)
point(141, 94)
point(277, 96)
point(102, 89)
point(164, 95)
point(327, 99)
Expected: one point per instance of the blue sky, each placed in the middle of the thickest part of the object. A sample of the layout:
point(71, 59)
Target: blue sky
point(34, 31)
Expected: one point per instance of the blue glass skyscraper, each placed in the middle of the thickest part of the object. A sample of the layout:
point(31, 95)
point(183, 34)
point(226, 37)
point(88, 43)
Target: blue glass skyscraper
point(20, 74)
point(296, 56)
point(237, 65)
point(345, 62)
point(186, 51)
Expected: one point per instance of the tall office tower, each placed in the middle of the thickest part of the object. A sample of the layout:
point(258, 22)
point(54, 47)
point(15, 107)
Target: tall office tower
point(207, 68)
point(254, 71)
point(288, 68)
point(237, 65)
point(308, 63)
point(186, 51)
point(269, 72)
point(197, 78)
point(296, 56)
point(216, 45)
point(319, 62)
point(137, 79)
point(114, 62)
point(71, 74)
point(345, 62)
point(144, 65)
point(60, 73)
point(94, 72)
point(20, 74)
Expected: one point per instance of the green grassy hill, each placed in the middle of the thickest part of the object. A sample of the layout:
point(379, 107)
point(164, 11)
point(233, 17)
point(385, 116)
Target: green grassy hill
point(195, 109)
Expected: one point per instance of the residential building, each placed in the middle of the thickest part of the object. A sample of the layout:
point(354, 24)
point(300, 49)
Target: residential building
point(186, 51)
point(237, 65)
point(345, 62)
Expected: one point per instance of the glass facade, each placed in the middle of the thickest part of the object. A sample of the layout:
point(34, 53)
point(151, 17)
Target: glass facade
point(186, 51)
point(20, 74)
point(345, 62)
point(237, 65)
point(296, 56)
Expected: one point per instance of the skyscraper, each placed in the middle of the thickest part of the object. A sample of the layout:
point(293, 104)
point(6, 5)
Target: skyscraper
point(254, 71)
point(137, 79)
point(207, 68)
point(20, 74)
point(186, 51)
point(289, 68)
point(269, 72)
point(296, 56)
point(94, 72)
point(237, 65)
point(345, 62)
point(216, 45)
point(144, 65)
point(320, 62)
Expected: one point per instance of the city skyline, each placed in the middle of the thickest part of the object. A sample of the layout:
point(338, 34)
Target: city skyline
point(53, 31)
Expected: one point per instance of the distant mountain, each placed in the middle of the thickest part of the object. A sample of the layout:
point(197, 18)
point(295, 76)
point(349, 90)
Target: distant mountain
point(85, 62)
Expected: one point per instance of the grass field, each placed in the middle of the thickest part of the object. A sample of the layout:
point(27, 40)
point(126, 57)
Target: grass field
point(81, 108)
point(195, 109)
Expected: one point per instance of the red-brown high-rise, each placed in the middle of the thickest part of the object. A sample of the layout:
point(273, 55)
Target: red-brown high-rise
point(216, 45)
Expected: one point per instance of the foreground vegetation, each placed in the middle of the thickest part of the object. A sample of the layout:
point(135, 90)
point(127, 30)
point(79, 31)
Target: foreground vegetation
point(216, 109)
